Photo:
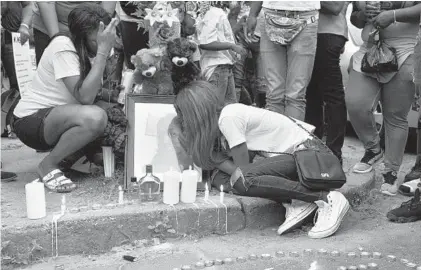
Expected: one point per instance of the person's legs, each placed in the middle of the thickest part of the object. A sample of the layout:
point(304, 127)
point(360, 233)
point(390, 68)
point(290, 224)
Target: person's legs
point(132, 45)
point(8, 60)
point(314, 94)
point(274, 60)
point(223, 79)
point(362, 95)
point(231, 95)
point(260, 83)
point(326, 86)
point(276, 177)
point(300, 58)
point(396, 98)
point(69, 128)
point(415, 173)
point(41, 41)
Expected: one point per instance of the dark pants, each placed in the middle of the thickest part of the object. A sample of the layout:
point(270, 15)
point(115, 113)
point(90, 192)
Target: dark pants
point(133, 40)
point(7, 59)
point(41, 41)
point(273, 178)
point(325, 93)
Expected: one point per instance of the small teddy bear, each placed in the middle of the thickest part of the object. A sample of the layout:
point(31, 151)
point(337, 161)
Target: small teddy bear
point(184, 70)
point(152, 72)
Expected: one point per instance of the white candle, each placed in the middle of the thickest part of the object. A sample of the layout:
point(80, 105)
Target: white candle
point(63, 204)
point(221, 195)
point(120, 195)
point(206, 192)
point(171, 192)
point(189, 185)
point(35, 200)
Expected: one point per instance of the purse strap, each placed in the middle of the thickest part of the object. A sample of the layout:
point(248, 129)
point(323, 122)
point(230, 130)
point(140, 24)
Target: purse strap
point(308, 132)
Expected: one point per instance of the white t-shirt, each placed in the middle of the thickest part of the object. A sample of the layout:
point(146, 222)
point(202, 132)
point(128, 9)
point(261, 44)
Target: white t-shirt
point(262, 130)
point(47, 89)
point(292, 5)
point(214, 27)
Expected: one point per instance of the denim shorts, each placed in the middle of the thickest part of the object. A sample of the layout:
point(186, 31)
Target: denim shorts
point(30, 129)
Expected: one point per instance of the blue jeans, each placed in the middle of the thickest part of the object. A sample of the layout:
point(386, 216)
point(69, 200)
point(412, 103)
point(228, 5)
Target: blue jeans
point(223, 79)
point(273, 178)
point(288, 70)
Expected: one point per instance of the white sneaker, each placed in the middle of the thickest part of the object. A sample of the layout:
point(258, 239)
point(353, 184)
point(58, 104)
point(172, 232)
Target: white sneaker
point(296, 212)
point(329, 215)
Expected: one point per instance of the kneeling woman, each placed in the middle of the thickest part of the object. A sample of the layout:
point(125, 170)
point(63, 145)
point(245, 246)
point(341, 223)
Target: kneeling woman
point(56, 112)
point(222, 138)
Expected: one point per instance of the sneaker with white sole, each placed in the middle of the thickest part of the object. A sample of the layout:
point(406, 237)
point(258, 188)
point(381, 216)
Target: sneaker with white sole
point(296, 212)
point(408, 188)
point(329, 216)
point(368, 160)
point(389, 186)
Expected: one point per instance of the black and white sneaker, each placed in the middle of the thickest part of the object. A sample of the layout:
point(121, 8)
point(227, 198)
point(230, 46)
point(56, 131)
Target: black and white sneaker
point(369, 159)
point(389, 186)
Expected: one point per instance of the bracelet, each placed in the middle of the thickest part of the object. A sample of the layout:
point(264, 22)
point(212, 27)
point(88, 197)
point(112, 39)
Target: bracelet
point(394, 16)
point(103, 54)
point(25, 25)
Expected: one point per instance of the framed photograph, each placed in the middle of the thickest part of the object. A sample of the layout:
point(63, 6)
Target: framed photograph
point(148, 141)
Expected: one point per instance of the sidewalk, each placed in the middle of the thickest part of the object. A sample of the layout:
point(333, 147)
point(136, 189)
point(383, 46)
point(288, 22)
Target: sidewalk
point(89, 231)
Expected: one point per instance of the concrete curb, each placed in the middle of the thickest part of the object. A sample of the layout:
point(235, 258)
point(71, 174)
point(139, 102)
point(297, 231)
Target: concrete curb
point(94, 232)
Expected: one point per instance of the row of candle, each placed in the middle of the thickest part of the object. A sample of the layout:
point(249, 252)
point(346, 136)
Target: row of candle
point(189, 180)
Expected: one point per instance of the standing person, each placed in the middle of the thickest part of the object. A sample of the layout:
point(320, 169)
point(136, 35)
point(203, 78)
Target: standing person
point(325, 94)
point(398, 23)
point(133, 33)
point(224, 137)
point(412, 179)
point(56, 112)
point(51, 17)
point(248, 69)
point(16, 16)
point(287, 51)
point(217, 44)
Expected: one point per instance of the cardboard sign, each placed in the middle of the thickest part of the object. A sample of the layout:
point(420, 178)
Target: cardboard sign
point(23, 62)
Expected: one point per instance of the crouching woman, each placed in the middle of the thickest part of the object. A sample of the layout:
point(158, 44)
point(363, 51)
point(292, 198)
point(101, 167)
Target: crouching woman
point(226, 138)
point(56, 112)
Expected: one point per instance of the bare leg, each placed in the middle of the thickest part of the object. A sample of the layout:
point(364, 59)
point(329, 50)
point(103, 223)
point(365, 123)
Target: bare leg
point(69, 128)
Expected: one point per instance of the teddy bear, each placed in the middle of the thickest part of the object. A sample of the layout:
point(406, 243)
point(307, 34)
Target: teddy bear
point(184, 70)
point(152, 73)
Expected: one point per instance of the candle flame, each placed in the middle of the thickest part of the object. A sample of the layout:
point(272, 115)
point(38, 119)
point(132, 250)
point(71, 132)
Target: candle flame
point(222, 188)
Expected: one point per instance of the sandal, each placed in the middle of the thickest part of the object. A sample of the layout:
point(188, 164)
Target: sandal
point(56, 181)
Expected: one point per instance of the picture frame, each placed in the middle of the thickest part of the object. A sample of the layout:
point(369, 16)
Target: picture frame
point(148, 141)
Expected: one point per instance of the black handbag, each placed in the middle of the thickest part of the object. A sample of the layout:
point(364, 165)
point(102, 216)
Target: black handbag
point(318, 168)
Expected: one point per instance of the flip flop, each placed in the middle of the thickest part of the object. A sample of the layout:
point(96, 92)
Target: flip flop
point(56, 181)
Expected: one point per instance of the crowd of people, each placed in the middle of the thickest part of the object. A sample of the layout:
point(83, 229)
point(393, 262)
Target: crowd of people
point(285, 54)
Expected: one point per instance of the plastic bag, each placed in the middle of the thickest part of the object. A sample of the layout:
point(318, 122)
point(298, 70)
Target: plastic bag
point(380, 58)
